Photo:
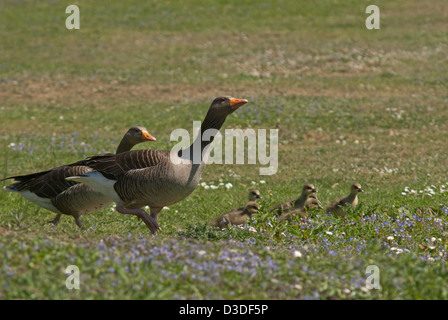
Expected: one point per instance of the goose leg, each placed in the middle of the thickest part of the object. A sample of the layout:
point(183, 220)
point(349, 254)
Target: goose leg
point(154, 213)
point(55, 221)
point(150, 222)
point(78, 222)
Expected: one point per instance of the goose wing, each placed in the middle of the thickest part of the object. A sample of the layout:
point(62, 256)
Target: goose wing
point(47, 184)
point(115, 166)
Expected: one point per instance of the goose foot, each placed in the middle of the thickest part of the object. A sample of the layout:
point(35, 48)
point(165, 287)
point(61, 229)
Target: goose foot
point(150, 222)
point(55, 221)
point(79, 222)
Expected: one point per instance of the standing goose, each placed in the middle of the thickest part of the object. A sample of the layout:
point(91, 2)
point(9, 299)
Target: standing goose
point(236, 217)
point(310, 204)
point(298, 203)
point(156, 178)
point(335, 206)
point(50, 190)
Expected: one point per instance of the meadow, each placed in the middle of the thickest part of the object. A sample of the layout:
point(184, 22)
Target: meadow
point(350, 104)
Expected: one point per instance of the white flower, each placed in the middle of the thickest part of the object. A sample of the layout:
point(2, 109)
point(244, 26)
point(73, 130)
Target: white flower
point(262, 181)
point(397, 250)
point(214, 187)
point(12, 144)
point(329, 233)
point(206, 187)
point(229, 185)
point(252, 229)
point(390, 238)
point(297, 254)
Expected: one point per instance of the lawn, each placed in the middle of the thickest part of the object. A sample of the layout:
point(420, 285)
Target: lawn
point(350, 105)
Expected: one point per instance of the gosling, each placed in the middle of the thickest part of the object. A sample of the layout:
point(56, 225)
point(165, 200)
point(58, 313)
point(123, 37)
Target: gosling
point(336, 206)
point(298, 203)
point(236, 217)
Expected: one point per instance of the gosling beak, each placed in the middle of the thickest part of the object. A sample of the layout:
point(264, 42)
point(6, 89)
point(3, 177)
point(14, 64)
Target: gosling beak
point(313, 190)
point(258, 196)
point(236, 103)
point(147, 137)
point(360, 190)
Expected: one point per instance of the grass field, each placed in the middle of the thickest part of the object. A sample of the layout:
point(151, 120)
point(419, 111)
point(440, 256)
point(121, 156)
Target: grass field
point(350, 104)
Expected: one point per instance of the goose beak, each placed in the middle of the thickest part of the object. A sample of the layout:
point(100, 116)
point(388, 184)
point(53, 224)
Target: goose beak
point(236, 103)
point(147, 137)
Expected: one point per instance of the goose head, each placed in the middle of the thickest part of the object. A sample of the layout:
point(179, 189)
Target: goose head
point(138, 134)
point(134, 136)
point(356, 188)
point(254, 194)
point(251, 208)
point(221, 107)
point(308, 189)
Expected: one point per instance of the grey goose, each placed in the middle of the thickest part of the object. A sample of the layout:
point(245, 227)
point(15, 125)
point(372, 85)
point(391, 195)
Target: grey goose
point(50, 189)
point(336, 206)
point(156, 178)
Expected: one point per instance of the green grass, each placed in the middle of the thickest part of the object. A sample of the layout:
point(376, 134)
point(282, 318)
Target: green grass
point(350, 104)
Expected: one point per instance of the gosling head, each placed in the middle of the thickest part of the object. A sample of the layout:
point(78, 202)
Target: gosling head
point(251, 208)
point(254, 194)
point(356, 188)
point(308, 189)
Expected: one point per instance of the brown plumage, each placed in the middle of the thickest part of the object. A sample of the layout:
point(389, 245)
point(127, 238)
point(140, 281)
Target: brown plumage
point(50, 189)
point(298, 203)
point(336, 206)
point(254, 195)
point(310, 204)
point(156, 178)
point(236, 217)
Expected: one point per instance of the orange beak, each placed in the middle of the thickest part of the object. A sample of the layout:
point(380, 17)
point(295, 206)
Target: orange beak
point(236, 103)
point(147, 137)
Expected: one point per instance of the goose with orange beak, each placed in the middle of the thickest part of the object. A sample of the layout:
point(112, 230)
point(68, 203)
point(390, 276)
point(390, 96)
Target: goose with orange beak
point(50, 190)
point(156, 178)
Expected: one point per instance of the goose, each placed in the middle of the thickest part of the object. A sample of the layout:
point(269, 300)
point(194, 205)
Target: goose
point(50, 190)
point(236, 217)
point(254, 195)
point(310, 204)
point(335, 207)
point(298, 203)
point(156, 178)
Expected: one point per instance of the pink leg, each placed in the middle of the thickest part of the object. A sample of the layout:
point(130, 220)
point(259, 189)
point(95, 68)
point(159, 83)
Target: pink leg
point(154, 213)
point(150, 222)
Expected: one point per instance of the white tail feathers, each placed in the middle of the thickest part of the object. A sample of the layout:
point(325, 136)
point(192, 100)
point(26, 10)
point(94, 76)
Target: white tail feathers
point(99, 183)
